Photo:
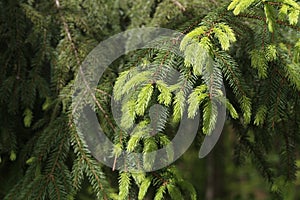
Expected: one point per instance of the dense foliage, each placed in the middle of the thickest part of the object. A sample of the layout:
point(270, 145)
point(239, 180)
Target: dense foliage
point(253, 46)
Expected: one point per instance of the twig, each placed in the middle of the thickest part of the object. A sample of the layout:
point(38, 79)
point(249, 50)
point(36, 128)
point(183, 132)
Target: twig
point(178, 4)
point(264, 19)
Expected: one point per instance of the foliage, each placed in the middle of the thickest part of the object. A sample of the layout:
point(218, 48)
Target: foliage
point(252, 46)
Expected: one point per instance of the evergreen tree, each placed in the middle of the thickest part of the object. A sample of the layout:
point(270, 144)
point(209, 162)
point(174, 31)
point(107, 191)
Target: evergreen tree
point(253, 46)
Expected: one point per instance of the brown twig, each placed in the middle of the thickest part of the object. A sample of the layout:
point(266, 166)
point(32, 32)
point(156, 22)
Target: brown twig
point(280, 22)
point(179, 5)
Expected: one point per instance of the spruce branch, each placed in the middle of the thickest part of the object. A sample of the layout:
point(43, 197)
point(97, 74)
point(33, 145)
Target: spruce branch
point(67, 30)
point(264, 19)
point(83, 154)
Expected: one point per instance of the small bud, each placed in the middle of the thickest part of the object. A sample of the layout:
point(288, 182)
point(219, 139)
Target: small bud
point(12, 156)
point(30, 160)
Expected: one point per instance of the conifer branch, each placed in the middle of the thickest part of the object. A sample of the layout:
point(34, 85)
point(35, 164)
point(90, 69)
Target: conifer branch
point(280, 22)
point(43, 52)
point(67, 30)
point(86, 158)
point(234, 76)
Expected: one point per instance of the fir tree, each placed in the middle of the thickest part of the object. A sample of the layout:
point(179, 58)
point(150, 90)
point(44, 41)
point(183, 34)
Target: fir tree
point(252, 46)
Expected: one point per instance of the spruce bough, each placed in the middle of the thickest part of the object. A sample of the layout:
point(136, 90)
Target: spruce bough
point(251, 45)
